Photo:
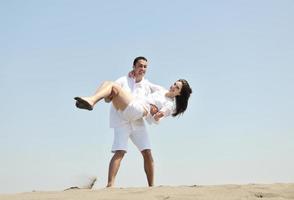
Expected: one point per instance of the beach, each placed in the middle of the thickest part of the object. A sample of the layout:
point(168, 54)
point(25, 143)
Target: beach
point(198, 192)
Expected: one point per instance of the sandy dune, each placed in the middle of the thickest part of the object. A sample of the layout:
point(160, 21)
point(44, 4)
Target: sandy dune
point(222, 192)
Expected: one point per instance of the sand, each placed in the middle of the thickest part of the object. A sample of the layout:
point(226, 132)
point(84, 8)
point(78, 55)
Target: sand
point(279, 191)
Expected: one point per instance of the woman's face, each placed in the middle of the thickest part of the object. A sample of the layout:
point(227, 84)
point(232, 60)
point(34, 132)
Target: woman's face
point(176, 88)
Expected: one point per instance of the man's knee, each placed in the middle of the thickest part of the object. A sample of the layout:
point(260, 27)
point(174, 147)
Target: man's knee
point(147, 154)
point(119, 154)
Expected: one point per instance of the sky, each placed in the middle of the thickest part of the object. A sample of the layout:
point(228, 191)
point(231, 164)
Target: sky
point(236, 55)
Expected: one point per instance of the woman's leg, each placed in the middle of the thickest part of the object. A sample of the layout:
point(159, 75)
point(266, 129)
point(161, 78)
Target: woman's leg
point(120, 97)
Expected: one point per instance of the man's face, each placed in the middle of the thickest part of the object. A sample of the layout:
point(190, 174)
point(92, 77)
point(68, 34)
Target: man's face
point(140, 69)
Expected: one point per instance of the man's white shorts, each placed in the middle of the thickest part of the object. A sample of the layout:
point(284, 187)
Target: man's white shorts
point(122, 134)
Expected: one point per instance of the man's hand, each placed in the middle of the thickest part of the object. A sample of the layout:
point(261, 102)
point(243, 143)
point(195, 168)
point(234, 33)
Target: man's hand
point(158, 115)
point(153, 109)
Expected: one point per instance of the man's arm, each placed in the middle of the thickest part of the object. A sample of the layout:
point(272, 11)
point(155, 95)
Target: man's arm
point(153, 87)
point(158, 115)
point(165, 111)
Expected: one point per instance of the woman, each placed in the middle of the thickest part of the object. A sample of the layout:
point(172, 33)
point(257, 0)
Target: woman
point(161, 103)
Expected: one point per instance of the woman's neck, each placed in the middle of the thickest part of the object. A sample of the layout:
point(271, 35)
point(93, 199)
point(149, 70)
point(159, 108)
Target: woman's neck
point(169, 94)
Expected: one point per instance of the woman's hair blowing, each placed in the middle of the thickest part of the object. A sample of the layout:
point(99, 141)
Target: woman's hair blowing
point(182, 99)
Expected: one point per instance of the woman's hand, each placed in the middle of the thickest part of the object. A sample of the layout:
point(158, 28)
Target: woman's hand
point(158, 115)
point(131, 74)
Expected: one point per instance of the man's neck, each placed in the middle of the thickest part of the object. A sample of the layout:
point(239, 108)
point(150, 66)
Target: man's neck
point(138, 79)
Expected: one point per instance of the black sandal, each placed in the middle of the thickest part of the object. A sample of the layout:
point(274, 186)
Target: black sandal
point(83, 104)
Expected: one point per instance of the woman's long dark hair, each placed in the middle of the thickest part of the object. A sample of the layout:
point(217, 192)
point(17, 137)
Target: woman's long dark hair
point(182, 99)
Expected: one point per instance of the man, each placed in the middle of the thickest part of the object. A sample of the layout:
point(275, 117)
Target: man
point(135, 130)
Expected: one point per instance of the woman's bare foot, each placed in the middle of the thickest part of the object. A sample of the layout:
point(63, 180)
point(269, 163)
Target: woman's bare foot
point(84, 103)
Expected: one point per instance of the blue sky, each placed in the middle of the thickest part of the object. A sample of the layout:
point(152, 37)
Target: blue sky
point(237, 56)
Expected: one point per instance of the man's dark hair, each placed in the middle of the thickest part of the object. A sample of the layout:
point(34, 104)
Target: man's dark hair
point(139, 58)
point(182, 99)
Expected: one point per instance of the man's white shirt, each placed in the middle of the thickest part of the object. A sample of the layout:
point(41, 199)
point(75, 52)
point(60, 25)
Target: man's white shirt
point(138, 90)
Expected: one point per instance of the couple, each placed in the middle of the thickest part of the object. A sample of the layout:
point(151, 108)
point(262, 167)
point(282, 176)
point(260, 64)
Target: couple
point(134, 98)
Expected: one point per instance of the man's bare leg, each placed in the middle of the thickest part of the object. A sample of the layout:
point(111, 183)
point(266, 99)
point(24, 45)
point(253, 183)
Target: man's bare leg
point(114, 166)
point(148, 166)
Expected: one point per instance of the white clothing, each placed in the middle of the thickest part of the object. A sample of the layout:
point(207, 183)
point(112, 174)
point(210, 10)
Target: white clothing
point(139, 91)
point(122, 134)
point(164, 104)
point(124, 127)
point(133, 111)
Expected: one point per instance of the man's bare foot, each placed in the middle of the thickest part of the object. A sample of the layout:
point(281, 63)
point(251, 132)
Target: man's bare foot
point(109, 185)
